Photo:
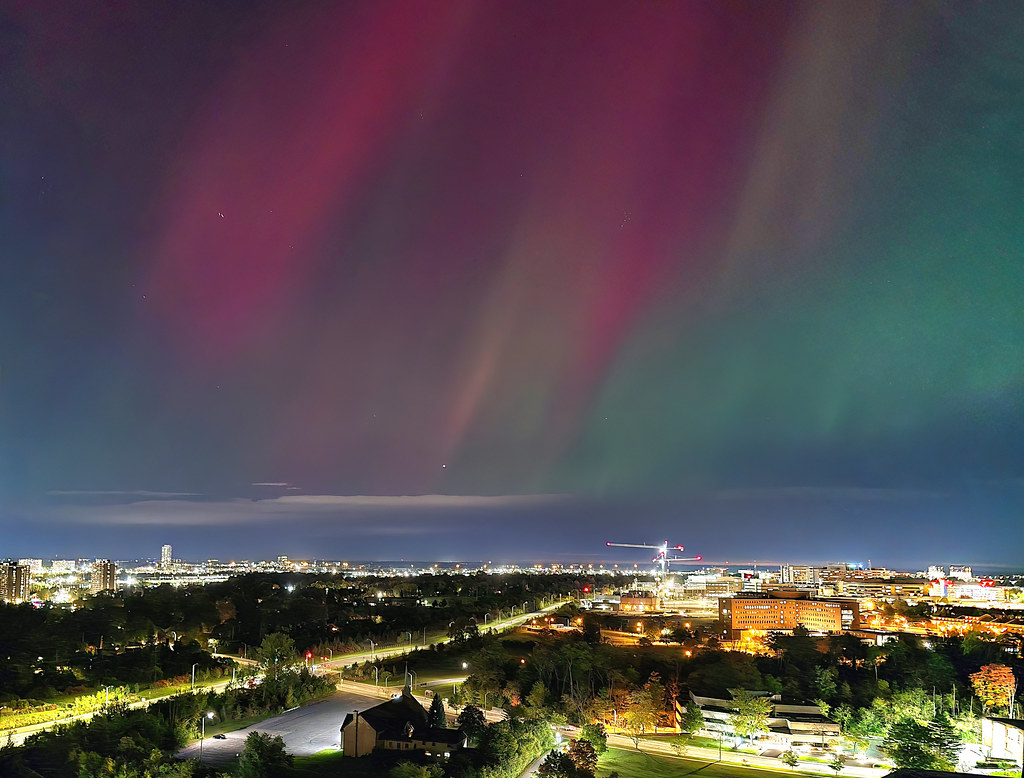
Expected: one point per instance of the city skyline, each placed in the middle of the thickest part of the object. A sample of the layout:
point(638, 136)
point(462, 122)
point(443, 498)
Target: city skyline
point(509, 281)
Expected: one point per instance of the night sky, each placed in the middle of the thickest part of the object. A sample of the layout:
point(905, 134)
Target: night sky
point(505, 280)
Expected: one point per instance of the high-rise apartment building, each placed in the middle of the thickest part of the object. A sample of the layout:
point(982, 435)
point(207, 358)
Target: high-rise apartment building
point(14, 582)
point(104, 576)
point(58, 566)
point(165, 556)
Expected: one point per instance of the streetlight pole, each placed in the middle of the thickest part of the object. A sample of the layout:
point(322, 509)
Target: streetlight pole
point(373, 648)
point(376, 675)
point(106, 695)
point(194, 675)
point(202, 736)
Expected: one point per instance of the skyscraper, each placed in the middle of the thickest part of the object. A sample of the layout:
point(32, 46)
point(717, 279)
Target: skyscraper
point(14, 582)
point(104, 576)
point(165, 556)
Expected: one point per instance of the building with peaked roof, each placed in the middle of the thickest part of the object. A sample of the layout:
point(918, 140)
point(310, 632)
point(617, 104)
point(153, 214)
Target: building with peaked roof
point(398, 724)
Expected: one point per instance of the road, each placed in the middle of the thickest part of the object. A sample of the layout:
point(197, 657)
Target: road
point(342, 661)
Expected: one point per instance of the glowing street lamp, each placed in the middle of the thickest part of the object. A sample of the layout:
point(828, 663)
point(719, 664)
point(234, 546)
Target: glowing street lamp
point(202, 737)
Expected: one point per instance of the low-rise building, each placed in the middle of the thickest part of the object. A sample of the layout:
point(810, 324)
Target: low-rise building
point(398, 724)
point(789, 726)
point(1004, 738)
point(639, 602)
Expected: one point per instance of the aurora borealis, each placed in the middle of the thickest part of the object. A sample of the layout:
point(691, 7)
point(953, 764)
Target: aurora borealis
point(505, 280)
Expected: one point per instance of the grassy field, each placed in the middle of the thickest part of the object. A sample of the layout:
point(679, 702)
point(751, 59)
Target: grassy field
point(634, 764)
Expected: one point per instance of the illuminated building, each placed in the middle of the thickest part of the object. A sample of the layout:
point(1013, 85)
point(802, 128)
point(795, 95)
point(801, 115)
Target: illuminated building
point(782, 611)
point(639, 602)
point(165, 555)
point(34, 565)
point(895, 588)
point(799, 574)
point(104, 576)
point(14, 582)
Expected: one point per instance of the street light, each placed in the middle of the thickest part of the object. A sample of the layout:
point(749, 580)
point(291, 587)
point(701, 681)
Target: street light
point(194, 675)
point(373, 648)
point(202, 737)
point(106, 695)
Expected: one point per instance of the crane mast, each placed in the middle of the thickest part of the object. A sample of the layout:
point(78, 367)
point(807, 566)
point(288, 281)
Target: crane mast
point(662, 559)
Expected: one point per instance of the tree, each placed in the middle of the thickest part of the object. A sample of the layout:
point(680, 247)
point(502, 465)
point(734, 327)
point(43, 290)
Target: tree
point(276, 653)
point(919, 746)
point(790, 758)
point(264, 757)
point(824, 683)
point(837, 763)
point(994, 684)
point(435, 716)
point(411, 770)
point(692, 720)
point(471, 722)
point(596, 735)
point(584, 757)
point(906, 744)
point(557, 765)
point(751, 714)
point(642, 713)
point(537, 698)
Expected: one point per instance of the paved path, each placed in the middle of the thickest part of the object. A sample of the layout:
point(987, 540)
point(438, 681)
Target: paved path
point(305, 730)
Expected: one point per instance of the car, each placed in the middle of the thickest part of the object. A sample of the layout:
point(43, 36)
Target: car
point(220, 736)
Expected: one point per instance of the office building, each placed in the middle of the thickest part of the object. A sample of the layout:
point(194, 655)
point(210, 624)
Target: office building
point(783, 611)
point(104, 576)
point(165, 556)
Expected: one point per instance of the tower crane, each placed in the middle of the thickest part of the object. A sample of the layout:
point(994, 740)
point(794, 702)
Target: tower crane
point(662, 559)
